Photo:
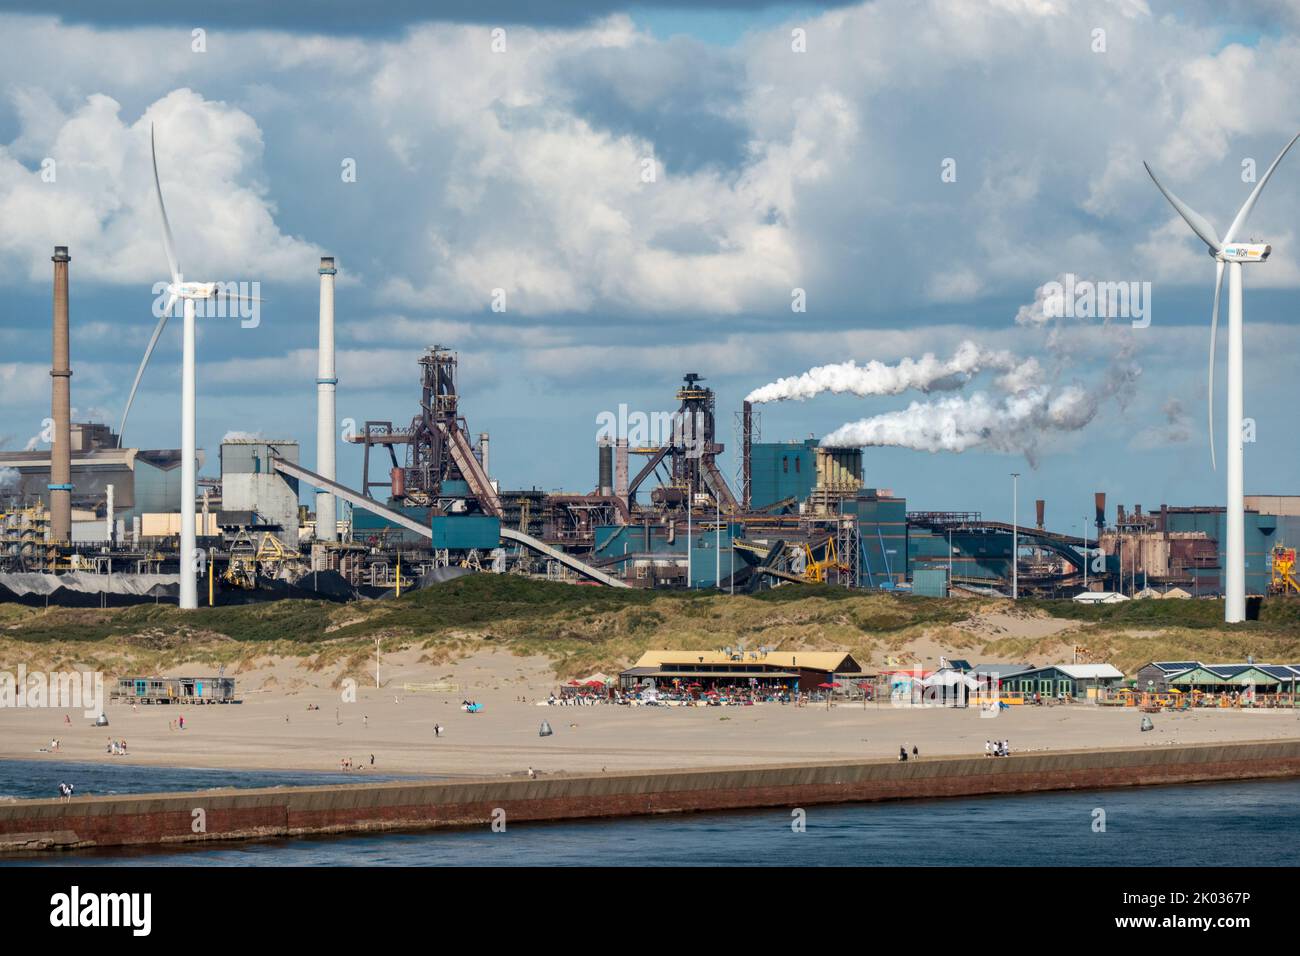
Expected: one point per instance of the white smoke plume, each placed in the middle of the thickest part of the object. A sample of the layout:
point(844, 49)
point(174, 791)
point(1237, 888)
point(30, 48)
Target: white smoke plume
point(1013, 424)
point(9, 479)
point(926, 374)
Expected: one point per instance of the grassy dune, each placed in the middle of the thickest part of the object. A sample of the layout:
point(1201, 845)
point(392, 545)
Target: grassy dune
point(587, 628)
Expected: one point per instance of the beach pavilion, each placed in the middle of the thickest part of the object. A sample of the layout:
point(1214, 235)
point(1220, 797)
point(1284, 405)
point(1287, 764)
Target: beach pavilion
point(794, 670)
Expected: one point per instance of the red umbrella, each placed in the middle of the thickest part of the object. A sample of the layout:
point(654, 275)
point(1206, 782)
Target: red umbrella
point(595, 683)
point(827, 686)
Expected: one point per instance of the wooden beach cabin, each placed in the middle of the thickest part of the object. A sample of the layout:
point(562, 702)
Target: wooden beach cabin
point(175, 690)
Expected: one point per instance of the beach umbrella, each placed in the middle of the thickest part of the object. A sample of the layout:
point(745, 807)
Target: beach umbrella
point(827, 686)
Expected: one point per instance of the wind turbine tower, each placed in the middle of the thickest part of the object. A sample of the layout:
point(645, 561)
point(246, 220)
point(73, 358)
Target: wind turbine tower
point(1233, 253)
point(188, 293)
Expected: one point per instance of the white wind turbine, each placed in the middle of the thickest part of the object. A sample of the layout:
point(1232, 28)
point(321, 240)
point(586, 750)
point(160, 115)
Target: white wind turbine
point(1234, 254)
point(188, 293)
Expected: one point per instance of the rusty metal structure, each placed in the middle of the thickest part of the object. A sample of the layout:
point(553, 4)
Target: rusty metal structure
point(691, 454)
point(441, 469)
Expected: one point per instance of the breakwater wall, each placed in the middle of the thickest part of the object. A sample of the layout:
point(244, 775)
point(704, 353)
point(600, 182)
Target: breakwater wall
point(231, 814)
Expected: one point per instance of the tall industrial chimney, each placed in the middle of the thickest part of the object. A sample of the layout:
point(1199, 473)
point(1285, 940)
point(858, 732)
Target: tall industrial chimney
point(326, 381)
point(621, 479)
point(1040, 506)
point(746, 446)
point(483, 448)
point(1099, 500)
point(60, 485)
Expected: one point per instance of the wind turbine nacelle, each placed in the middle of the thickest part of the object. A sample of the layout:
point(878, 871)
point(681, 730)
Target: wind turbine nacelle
point(1245, 252)
point(195, 290)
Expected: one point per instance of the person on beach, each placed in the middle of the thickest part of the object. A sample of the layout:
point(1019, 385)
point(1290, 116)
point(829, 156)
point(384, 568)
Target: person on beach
point(182, 722)
point(988, 748)
point(902, 753)
point(915, 752)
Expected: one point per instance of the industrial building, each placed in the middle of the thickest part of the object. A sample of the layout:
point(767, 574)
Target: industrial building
point(659, 514)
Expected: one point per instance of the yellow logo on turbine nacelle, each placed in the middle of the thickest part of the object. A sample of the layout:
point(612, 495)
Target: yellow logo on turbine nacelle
point(1245, 252)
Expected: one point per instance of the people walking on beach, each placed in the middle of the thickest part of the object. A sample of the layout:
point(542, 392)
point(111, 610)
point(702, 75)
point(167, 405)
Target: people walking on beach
point(902, 753)
point(532, 774)
point(915, 752)
point(988, 748)
point(65, 792)
point(182, 722)
point(372, 760)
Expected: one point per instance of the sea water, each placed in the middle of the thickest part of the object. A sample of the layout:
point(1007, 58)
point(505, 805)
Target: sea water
point(1185, 825)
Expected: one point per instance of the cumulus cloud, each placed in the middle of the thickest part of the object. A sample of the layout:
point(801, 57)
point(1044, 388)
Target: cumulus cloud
point(94, 192)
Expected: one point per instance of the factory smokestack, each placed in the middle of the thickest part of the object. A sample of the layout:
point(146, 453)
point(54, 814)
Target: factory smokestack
point(746, 448)
point(326, 381)
point(1099, 499)
point(1040, 506)
point(60, 486)
point(483, 448)
point(620, 468)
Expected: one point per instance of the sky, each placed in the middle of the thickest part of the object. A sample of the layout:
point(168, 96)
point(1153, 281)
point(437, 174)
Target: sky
point(588, 202)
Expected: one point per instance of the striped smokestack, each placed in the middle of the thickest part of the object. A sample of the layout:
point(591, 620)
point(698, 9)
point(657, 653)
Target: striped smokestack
point(60, 485)
point(326, 382)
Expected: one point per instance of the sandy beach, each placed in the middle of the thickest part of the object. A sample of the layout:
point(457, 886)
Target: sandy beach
point(275, 729)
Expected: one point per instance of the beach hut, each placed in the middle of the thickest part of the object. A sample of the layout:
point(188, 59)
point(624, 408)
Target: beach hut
point(175, 690)
point(1086, 681)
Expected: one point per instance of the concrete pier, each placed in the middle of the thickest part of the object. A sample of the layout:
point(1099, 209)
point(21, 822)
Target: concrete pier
point(233, 814)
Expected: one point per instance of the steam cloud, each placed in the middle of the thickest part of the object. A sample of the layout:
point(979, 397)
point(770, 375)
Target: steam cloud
point(926, 374)
point(958, 423)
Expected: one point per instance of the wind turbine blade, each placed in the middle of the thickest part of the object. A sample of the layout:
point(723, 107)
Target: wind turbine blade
point(162, 210)
point(1214, 334)
point(1249, 204)
point(139, 373)
point(1200, 225)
